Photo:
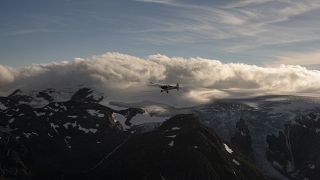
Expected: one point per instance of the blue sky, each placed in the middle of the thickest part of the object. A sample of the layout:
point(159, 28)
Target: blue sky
point(262, 32)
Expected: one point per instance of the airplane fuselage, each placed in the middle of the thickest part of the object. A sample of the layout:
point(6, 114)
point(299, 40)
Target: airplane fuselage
point(167, 88)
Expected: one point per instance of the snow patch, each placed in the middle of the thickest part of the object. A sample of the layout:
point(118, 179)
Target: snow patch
point(63, 107)
point(121, 119)
point(2, 106)
point(50, 135)
point(252, 104)
point(75, 124)
point(162, 178)
point(39, 114)
point(11, 120)
point(236, 162)
point(229, 150)
point(35, 133)
point(276, 99)
point(155, 109)
point(95, 113)
point(146, 118)
point(38, 102)
point(171, 143)
point(54, 126)
point(243, 134)
point(27, 135)
point(276, 164)
point(312, 166)
point(67, 142)
point(173, 136)
point(317, 118)
point(73, 117)
point(87, 130)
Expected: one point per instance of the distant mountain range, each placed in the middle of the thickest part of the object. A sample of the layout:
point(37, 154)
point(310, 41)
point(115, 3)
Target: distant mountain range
point(51, 134)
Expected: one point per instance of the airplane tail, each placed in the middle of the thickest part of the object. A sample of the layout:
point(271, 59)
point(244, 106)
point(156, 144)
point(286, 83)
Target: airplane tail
point(178, 86)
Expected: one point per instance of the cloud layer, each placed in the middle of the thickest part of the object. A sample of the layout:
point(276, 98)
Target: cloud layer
point(306, 58)
point(257, 22)
point(125, 77)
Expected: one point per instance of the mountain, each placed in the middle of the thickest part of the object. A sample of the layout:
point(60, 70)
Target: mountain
point(181, 148)
point(280, 134)
point(47, 140)
point(58, 135)
point(295, 150)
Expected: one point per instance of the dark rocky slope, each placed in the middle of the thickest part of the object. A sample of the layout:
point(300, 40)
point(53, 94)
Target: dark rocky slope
point(295, 151)
point(79, 138)
point(181, 148)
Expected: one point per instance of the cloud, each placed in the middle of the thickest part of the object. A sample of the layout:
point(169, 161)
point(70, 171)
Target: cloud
point(245, 3)
point(305, 58)
point(253, 23)
point(169, 2)
point(125, 77)
point(6, 75)
point(30, 31)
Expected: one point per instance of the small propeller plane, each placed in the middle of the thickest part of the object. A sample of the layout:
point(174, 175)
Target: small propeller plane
point(166, 87)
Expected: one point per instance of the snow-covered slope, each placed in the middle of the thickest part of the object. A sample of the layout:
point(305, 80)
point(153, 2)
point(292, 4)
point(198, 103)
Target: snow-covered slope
point(266, 117)
point(79, 138)
point(256, 125)
point(279, 134)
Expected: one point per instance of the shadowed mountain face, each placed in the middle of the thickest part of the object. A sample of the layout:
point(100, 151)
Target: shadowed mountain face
point(53, 140)
point(181, 148)
point(79, 138)
point(51, 135)
point(296, 150)
point(280, 134)
point(242, 139)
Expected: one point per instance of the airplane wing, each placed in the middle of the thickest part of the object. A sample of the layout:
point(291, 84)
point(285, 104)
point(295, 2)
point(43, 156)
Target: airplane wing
point(156, 84)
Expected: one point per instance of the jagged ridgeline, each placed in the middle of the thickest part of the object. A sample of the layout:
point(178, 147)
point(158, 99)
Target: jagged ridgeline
point(53, 134)
point(80, 138)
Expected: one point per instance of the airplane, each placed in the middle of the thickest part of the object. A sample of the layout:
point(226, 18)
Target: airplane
point(166, 87)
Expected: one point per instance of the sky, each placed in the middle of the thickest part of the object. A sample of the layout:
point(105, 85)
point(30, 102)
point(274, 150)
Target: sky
point(259, 32)
point(213, 48)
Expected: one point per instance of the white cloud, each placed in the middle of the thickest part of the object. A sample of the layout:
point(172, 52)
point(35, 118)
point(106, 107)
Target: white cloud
point(254, 23)
point(304, 58)
point(157, 1)
point(125, 77)
point(6, 75)
point(245, 3)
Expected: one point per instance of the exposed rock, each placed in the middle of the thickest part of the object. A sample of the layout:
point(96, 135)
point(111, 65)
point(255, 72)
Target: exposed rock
point(296, 149)
point(181, 148)
point(242, 139)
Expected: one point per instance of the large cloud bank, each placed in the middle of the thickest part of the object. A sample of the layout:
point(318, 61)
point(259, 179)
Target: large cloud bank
point(124, 76)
